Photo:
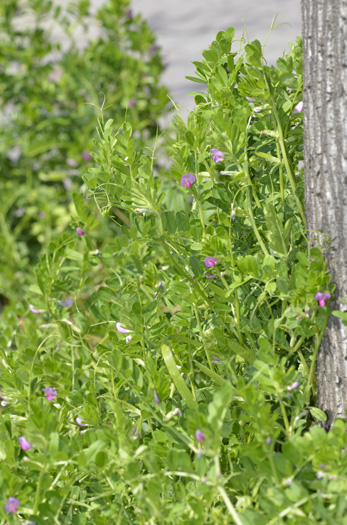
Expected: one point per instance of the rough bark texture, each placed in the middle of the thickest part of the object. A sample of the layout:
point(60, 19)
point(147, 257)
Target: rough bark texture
point(325, 148)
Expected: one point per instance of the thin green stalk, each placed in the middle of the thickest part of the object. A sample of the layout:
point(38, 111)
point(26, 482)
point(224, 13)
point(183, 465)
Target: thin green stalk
point(249, 180)
point(286, 159)
point(237, 305)
point(273, 468)
point(229, 505)
point(202, 336)
point(304, 363)
point(284, 415)
point(281, 172)
point(38, 491)
point(183, 274)
point(201, 218)
point(251, 218)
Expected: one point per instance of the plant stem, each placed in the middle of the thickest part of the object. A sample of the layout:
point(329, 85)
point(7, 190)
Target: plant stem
point(251, 218)
point(284, 414)
point(281, 172)
point(38, 491)
point(201, 218)
point(202, 336)
point(229, 505)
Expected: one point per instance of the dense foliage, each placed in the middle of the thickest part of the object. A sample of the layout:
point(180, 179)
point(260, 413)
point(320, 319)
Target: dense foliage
point(58, 66)
point(166, 375)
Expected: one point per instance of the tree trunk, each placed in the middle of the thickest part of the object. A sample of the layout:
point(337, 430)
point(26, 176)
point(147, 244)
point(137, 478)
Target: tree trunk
point(325, 152)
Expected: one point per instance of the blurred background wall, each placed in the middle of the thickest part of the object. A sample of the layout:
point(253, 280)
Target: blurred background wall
point(185, 28)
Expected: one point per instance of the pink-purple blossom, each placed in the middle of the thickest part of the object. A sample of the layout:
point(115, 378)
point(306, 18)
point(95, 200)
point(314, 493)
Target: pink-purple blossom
point(294, 385)
point(12, 505)
point(132, 103)
point(51, 394)
point(79, 231)
point(79, 422)
point(210, 262)
point(321, 298)
point(35, 310)
point(122, 330)
point(217, 155)
point(66, 302)
point(24, 443)
point(299, 107)
point(199, 436)
point(86, 156)
point(187, 180)
point(128, 339)
point(252, 100)
point(71, 162)
point(156, 397)
point(268, 440)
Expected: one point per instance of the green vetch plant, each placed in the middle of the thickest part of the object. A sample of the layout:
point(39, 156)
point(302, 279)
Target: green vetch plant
point(58, 66)
point(175, 381)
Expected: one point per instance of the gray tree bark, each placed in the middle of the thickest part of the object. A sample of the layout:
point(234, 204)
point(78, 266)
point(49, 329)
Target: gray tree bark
point(325, 153)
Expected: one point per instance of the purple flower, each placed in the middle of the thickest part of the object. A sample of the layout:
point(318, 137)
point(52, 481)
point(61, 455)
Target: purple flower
point(161, 283)
point(71, 162)
point(66, 302)
point(128, 339)
point(210, 262)
point(51, 393)
point(322, 466)
point(299, 107)
point(252, 100)
point(42, 215)
point(153, 49)
point(79, 422)
point(217, 155)
point(129, 13)
point(216, 360)
point(319, 474)
point(122, 330)
point(12, 505)
point(268, 441)
point(294, 385)
point(209, 275)
point(86, 156)
point(79, 232)
point(187, 180)
point(35, 310)
point(132, 102)
point(321, 298)
point(24, 443)
point(156, 397)
point(199, 436)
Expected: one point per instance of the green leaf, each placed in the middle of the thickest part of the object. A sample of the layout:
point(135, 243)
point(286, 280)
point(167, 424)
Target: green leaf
point(317, 413)
point(177, 378)
point(211, 373)
point(275, 233)
point(267, 156)
point(246, 353)
point(195, 79)
point(80, 205)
